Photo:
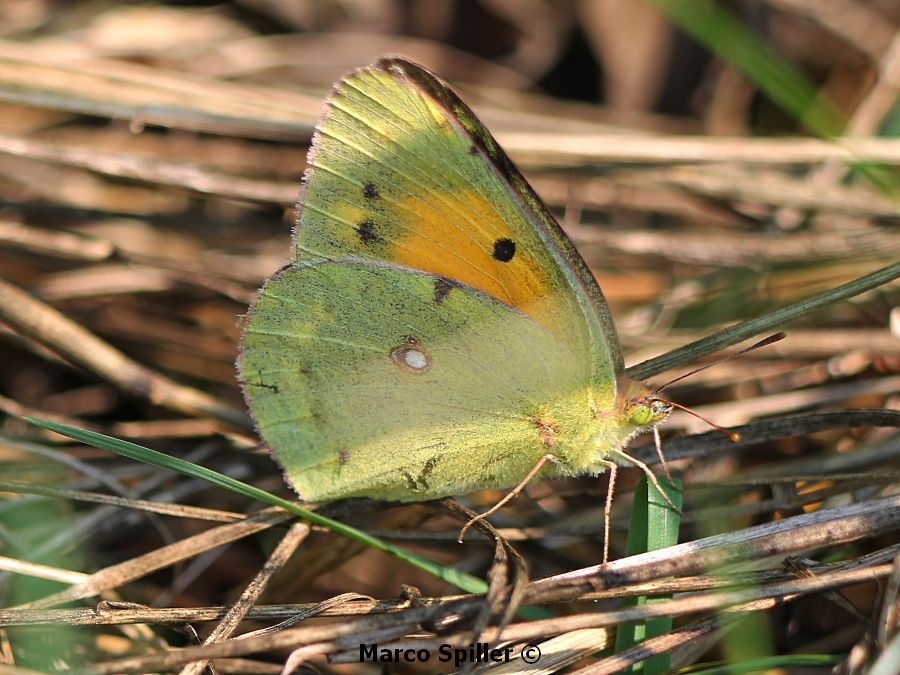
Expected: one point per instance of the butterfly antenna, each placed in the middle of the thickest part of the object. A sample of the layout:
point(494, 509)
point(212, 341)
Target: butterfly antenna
point(728, 433)
point(762, 343)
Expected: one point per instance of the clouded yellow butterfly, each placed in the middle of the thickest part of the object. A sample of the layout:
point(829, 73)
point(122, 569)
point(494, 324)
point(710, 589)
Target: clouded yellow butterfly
point(436, 332)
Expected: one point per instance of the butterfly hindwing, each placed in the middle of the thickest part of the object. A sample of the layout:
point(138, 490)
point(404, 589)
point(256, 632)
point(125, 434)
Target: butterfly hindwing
point(370, 379)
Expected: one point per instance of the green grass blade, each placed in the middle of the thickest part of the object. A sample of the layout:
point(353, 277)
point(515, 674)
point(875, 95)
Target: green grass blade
point(653, 524)
point(763, 324)
point(721, 32)
point(466, 582)
point(714, 26)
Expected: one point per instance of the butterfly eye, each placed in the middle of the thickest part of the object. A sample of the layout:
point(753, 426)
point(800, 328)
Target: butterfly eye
point(660, 408)
point(647, 412)
point(640, 414)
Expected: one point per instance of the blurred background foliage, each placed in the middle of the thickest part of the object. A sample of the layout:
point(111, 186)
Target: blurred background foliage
point(150, 154)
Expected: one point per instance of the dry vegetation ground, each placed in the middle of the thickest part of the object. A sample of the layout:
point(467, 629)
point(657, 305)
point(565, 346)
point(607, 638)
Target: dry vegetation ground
point(149, 159)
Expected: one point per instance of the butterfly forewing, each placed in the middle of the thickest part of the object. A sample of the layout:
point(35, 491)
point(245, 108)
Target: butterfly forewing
point(402, 171)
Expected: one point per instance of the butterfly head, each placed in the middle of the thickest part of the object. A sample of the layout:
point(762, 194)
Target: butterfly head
point(642, 408)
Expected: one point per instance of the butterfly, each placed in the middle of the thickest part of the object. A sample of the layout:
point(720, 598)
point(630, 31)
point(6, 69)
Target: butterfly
point(436, 332)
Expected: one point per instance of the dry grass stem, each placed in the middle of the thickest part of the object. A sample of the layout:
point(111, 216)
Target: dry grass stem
point(150, 160)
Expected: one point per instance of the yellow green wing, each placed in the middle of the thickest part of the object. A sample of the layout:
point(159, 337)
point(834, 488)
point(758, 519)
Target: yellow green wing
point(370, 379)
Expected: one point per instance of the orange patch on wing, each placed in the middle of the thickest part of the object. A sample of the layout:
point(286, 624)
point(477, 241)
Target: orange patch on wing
point(470, 248)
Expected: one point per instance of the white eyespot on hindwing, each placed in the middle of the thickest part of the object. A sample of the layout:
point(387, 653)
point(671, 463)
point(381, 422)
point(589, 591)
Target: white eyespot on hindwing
point(411, 355)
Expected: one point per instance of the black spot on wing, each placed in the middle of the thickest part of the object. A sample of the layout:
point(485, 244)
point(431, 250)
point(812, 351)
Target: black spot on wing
point(504, 250)
point(365, 230)
point(442, 288)
point(370, 192)
point(429, 467)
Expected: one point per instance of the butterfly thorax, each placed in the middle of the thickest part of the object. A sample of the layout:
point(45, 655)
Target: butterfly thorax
point(584, 431)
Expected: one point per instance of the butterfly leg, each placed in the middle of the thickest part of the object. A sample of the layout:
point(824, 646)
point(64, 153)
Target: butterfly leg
point(650, 475)
point(512, 493)
point(607, 508)
point(662, 459)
